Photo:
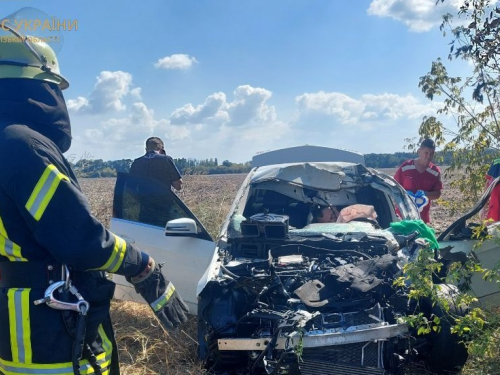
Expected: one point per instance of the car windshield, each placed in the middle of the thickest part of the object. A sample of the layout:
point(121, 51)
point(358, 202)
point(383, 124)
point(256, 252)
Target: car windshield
point(294, 191)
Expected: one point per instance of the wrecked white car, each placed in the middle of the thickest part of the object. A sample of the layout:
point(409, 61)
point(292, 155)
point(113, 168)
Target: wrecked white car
point(280, 294)
point(287, 296)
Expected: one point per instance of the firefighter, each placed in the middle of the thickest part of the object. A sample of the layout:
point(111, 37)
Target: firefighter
point(54, 295)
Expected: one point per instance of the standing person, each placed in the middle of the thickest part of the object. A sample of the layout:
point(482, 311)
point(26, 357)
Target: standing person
point(157, 165)
point(422, 174)
point(156, 206)
point(51, 246)
point(492, 210)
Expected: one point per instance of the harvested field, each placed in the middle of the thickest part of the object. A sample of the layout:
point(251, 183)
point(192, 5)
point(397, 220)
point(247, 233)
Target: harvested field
point(144, 347)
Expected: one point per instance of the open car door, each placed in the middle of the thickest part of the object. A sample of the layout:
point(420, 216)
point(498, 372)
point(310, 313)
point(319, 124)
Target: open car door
point(155, 220)
point(457, 240)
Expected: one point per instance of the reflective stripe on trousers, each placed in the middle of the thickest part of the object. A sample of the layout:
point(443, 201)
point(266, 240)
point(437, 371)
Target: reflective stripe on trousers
point(104, 360)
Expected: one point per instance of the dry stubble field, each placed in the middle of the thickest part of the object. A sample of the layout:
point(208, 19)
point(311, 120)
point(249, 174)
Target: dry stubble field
point(144, 347)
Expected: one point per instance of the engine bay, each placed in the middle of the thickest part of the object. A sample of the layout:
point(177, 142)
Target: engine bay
point(318, 292)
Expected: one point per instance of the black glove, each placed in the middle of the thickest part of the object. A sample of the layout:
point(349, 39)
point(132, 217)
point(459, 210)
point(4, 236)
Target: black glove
point(161, 295)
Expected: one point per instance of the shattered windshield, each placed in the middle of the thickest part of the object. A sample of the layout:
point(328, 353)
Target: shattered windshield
point(294, 191)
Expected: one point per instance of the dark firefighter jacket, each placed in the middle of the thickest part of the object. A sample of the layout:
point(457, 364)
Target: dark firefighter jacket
point(45, 221)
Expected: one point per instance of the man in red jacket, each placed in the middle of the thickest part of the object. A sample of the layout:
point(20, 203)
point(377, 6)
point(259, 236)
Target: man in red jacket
point(422, 174)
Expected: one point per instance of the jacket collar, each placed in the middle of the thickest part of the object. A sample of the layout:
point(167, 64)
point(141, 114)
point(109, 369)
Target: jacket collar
point(39, 105)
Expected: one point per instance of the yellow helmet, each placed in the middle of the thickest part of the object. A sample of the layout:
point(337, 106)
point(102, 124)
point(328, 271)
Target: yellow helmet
point(29, 57)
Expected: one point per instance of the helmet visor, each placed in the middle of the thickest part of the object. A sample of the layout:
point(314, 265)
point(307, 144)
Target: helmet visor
point(30, 41)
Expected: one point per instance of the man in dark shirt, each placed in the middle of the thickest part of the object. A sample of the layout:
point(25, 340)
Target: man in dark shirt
point(155, 164)
point(157, 205)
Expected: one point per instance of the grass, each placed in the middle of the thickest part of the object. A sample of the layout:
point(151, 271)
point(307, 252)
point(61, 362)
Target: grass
point(146, 348)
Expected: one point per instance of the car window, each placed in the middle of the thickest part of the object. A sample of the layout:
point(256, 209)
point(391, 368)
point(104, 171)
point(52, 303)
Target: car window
point(146, 201)
point(268, 201)
point(380, 202)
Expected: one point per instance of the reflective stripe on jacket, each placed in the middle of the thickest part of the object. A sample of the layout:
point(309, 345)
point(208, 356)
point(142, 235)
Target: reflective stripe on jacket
point(44, 216)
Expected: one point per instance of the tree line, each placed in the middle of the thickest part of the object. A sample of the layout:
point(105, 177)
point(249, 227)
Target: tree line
point(95, 168)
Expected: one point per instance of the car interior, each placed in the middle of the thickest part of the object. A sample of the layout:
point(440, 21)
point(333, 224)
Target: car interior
point(299, 213)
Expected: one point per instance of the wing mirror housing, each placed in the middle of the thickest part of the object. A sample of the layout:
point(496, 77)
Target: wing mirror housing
point(181, 227)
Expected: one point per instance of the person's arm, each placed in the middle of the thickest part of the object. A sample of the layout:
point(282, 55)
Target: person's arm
point(177, 184)
point(173, 173)
point(435, 191)
point(433, 194)
point(58, 214)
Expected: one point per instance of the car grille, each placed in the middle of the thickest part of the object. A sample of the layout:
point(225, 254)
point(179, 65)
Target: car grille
point(342, 359)
point(316, 368)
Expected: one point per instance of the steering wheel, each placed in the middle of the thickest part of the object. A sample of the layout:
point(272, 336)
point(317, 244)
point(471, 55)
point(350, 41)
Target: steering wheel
point(366, 220)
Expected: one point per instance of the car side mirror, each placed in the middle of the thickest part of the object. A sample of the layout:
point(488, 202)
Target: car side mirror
point(181, 227)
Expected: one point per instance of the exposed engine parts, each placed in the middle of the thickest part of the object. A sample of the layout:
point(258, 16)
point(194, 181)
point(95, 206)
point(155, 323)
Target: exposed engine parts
point(302, 297)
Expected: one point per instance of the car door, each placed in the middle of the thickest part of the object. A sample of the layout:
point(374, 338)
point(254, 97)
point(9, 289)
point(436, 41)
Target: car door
point(457, 239)
point(141, 210)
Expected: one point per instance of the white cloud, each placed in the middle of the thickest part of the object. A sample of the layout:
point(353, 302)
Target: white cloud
point(107, 95)
point(78, 104)
point(118, 135)
point(248, 108)
point(214, 110)
point(136, 93)
point(236, 129)
point(203, 129)
point(334, 104)
point(176, 61)
point(418, 15)
point(346, 110)
point(372, 123)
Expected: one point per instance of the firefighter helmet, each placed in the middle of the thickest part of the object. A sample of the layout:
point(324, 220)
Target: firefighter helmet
point(29, 57)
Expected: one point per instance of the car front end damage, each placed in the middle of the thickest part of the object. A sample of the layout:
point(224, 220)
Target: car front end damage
point(288, 296)
point(317, 305)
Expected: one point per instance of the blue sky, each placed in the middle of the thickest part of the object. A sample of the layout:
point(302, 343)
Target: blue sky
point(229, 78)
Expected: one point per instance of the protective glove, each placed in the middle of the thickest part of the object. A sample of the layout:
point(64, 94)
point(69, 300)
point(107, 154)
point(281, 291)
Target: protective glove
point(420, 193)
point(419, 198)
point(161, 295)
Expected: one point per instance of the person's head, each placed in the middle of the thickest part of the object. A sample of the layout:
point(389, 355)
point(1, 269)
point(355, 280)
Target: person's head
point(29, 58)
point(155, 144)
point(325, 214)
point(426, 151)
